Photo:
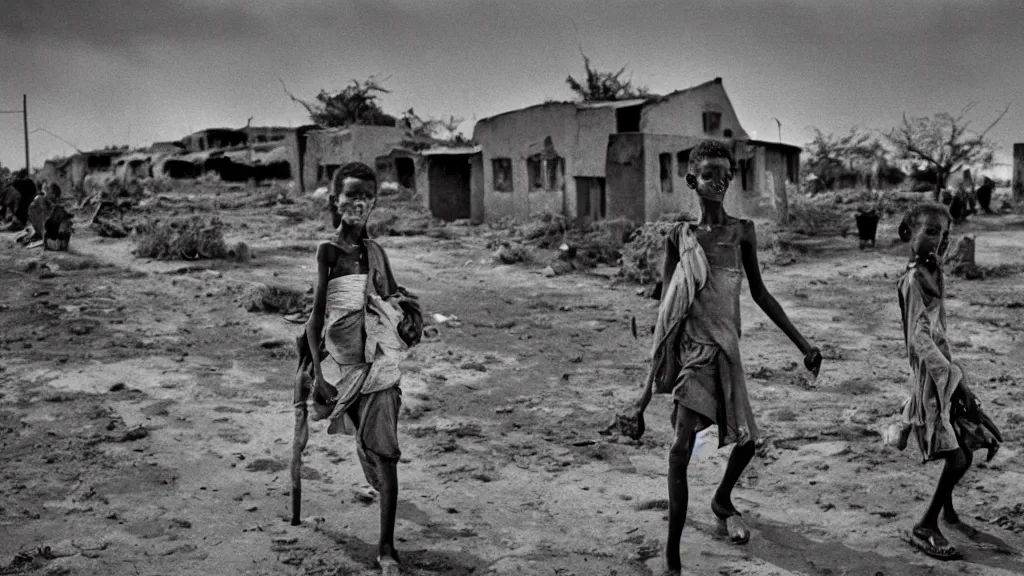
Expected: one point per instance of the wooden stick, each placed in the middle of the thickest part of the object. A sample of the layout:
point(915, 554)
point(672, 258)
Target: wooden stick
point(302, 389)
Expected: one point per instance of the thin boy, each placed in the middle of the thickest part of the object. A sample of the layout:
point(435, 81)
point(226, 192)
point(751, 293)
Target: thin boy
point(696, 340)
point(361, 326)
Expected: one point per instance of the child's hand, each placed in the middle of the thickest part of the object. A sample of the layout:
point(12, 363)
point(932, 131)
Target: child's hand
point(323, 392)
point(812, 360)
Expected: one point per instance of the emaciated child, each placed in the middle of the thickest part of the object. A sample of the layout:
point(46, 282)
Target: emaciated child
point(697, 337)
point(942, 413)
point(361, 327)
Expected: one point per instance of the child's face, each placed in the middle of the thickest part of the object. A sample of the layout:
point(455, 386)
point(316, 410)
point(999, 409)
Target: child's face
point(926, 238)
point(356, 200)
point(711, 179)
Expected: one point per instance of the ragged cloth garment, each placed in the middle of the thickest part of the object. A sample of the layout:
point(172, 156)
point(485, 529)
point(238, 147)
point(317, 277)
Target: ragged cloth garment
point(941, 408)
point(696, 347)
point(361, 351)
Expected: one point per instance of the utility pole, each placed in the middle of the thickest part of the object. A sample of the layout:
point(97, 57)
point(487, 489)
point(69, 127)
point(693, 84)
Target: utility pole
point(24, 117)
point(780, 128)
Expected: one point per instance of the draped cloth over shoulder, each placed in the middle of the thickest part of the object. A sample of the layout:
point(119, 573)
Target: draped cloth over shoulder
point(686, 272)
point(942, 410)
point(696, 349)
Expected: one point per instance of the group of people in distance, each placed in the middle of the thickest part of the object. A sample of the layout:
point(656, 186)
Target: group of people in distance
point(363, 323)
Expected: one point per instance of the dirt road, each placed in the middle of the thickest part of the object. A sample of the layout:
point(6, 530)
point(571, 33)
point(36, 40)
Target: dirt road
point(146, 421)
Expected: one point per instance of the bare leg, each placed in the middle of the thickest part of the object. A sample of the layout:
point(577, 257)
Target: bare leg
point(948, 513)
point(730, 520)
point(687, 423)
point(740, 457)
point(927, 529)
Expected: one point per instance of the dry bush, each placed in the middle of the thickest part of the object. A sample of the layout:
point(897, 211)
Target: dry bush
point(303, 208)
point(601, 242)
point(400, 215)
point(818, 217)
point(275, 299)
point(509, 253)
point(190, 238)
point(641, 256)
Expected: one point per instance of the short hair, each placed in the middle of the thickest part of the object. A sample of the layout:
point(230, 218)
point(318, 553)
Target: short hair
point(356, 170)
point(709, 150)
point(913, 217)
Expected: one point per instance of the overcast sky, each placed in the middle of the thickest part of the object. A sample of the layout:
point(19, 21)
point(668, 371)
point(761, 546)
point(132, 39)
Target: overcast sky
point(101, 72)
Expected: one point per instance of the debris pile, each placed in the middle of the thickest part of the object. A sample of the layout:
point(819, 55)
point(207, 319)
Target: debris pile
point(817, 217)
point(277, 299)
point(641, 256)
point(192, 238)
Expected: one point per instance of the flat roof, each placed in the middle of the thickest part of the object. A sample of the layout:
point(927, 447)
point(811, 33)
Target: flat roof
point(453, 151)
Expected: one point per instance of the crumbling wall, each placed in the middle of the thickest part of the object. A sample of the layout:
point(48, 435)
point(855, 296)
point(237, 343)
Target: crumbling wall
point(516, 136)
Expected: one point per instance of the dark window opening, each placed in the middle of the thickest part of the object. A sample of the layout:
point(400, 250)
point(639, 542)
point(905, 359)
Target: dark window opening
point(555, 169)
point(712, 122)
point(502, 168)
point(727, 133)
point(383, 166)
point(405, 169)
point(325, 172)
point(546, 174)
point(683, 162)
point(99, 162)
point(261, 138)
point(628, 119)
point(792, 167)
point(534, 174)
point(744, 165)
point(665, 163)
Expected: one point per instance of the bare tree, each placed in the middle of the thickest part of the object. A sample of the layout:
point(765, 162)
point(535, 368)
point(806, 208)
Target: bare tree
point(599, 86)
point(944, 142)
point(355, 104)
point(829, 156)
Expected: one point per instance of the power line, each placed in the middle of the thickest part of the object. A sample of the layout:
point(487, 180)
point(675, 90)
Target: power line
point(57, 137)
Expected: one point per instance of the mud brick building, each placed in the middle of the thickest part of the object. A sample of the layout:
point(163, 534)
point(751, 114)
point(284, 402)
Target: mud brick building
point(608, 160)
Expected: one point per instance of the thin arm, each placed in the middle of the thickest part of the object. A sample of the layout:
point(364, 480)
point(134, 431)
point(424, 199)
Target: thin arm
point(759, 292)
point(315, 324)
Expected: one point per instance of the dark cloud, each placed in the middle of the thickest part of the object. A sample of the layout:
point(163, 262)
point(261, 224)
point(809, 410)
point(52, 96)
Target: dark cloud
point(171, 65)
point(119, 24)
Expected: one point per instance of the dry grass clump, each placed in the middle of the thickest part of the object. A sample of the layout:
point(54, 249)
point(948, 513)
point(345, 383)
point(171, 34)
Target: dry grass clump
point(599, 243)
point(818, 218)
point(275, 299)
point(401, 214)
point(190, 238)
point(641, 256)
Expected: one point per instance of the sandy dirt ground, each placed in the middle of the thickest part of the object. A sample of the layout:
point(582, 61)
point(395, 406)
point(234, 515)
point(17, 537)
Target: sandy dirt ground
point(146, 419)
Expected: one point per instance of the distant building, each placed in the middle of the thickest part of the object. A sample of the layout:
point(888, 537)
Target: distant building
point(69, 173)
point(612, 159)
point(265, 134)
point(213, 138)
point(392, 151)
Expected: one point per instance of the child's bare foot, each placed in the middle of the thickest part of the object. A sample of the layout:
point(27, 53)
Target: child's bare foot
point(933, 543)
point(730, 522)
point(388, 564)
point(673, 566)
